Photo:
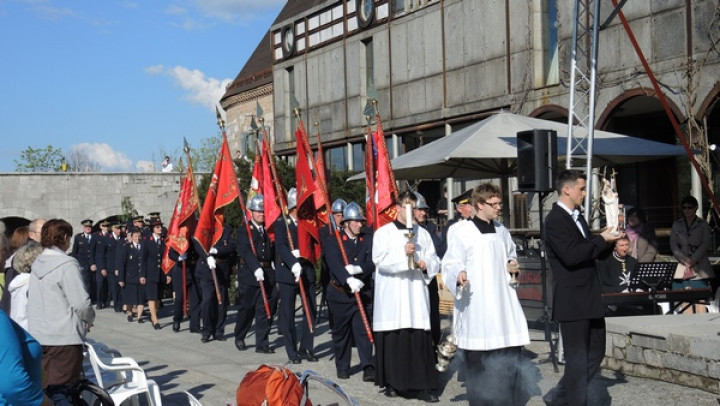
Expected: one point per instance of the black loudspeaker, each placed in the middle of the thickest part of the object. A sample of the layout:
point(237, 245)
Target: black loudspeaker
point(536, 160)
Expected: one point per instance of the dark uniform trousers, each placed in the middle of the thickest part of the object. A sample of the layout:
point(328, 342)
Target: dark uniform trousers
point(257, 254)
point(192, 286)
point(289, 290)
point(213, 314)
point(348, 327)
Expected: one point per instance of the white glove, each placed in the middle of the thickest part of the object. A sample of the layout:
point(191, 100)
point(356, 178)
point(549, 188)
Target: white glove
point(212, 251)
point(353, 269)
point(182, 257)
point(296, 270)
point(259, 275)
point(211, 262)
point(355, 284)
point(296, 253)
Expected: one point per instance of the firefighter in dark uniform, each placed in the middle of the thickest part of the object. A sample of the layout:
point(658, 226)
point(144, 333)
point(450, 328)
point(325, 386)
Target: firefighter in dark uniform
point(112, 245)
point(131, 276)
point(81, 251)
point(345, 281)
point(105, 249)
point(96, 253)
point(155, 216)
point(420, 213)
point(189, 259)
point(255, 266)
point(327, 232)
point(464, 209)
point(152, 253)
point(219, 257)
point(290, 268)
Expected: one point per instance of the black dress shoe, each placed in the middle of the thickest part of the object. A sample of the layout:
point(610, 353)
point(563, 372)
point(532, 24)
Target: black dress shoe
point(390, 392)
point(309, 355)
point(157, 326)
point(265, 350)
point(205, 339)
point(130, 318)
point(176, 326)
point(220, 337)
point(141, 321)
point(427, 396)
point(296, 360)
point(99, 307)
point(369, 374)
point(240, 345)
point(343, 375)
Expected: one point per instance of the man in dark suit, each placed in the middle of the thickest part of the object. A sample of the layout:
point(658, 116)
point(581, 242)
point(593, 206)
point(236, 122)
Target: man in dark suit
point(577, 301)
point(290, 269)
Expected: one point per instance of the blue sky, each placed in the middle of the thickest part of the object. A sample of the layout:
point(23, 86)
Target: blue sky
point(123, 81)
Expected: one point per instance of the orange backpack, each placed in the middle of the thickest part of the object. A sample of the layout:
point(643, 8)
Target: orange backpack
point(271, 386)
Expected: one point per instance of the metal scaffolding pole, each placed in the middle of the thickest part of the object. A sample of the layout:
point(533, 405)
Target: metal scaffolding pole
point(581, 111)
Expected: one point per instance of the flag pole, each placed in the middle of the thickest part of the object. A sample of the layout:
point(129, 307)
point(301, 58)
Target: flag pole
point(284, 211)
point(301, 284)
point(244, 210)
point(358, 299)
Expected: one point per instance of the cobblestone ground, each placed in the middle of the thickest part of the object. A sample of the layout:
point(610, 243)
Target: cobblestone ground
point(179, 362)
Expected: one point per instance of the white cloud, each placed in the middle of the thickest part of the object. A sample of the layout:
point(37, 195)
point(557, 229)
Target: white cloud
point(154, 70)
point(145, 166)
point(105, 156)
point(175, 9)
point(205, 91)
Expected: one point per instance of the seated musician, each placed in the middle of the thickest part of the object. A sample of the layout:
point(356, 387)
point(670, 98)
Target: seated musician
point(614, 273)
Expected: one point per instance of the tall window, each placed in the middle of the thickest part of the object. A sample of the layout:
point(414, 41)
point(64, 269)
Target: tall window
point(358, 154)
point(550, 42)
point(290, 103)
point(337, 158)
point(367, 70)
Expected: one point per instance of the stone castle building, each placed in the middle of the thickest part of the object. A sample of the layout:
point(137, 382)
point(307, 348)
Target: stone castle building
point(437, 66)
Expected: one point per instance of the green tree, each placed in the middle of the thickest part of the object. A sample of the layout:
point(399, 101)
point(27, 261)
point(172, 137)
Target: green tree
point(48, 159)
point(205, 156)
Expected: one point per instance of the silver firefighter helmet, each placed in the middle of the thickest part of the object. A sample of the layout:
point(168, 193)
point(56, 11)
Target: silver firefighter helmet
point(292, 198)
point(257, 203)
point(421, 202)
point(353, 211)
point(339, 206)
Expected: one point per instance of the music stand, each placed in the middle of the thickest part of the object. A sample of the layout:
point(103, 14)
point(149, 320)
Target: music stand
point(653, 276)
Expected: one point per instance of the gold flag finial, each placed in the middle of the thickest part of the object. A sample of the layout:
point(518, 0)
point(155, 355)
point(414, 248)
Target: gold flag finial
point(296, 110)
point(220, 121)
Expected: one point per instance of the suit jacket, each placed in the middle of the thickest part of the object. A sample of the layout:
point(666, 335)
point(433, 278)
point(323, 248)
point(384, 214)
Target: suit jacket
point(264, 251)
point(284, 258)
point(576, 289)
point(225, 247)
point(152, 254)
point(106, 252)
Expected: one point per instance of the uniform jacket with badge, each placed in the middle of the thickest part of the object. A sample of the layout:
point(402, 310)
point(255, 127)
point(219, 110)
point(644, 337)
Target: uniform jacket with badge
point(576, 288)
point(81, 250)
point(251, 261)
point(359, 252)
point(225, 247)
point(130, 264)
point(284, 258)
point(106, 252)
point(152, 253)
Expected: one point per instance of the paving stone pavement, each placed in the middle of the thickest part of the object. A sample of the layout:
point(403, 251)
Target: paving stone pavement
point(211, 371)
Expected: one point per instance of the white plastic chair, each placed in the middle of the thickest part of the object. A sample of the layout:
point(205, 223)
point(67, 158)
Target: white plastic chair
point(123, 379)
point(192, 400)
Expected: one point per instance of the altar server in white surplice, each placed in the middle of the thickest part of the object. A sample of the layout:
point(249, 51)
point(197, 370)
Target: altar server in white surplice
point(401, 311)
point(489, 322)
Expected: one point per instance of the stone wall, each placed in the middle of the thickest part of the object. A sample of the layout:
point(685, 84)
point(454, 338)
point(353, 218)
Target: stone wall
point(688, 357)
point(77, 196)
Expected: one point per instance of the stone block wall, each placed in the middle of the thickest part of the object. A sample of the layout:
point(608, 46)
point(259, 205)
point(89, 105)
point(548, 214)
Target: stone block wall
point(685, 360)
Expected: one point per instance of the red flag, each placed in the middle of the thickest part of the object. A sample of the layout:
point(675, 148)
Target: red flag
point(386, 189)
point(184, 219)
point(321, 195)
point(272, 204)
point(308, 235)
point(222, 191)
